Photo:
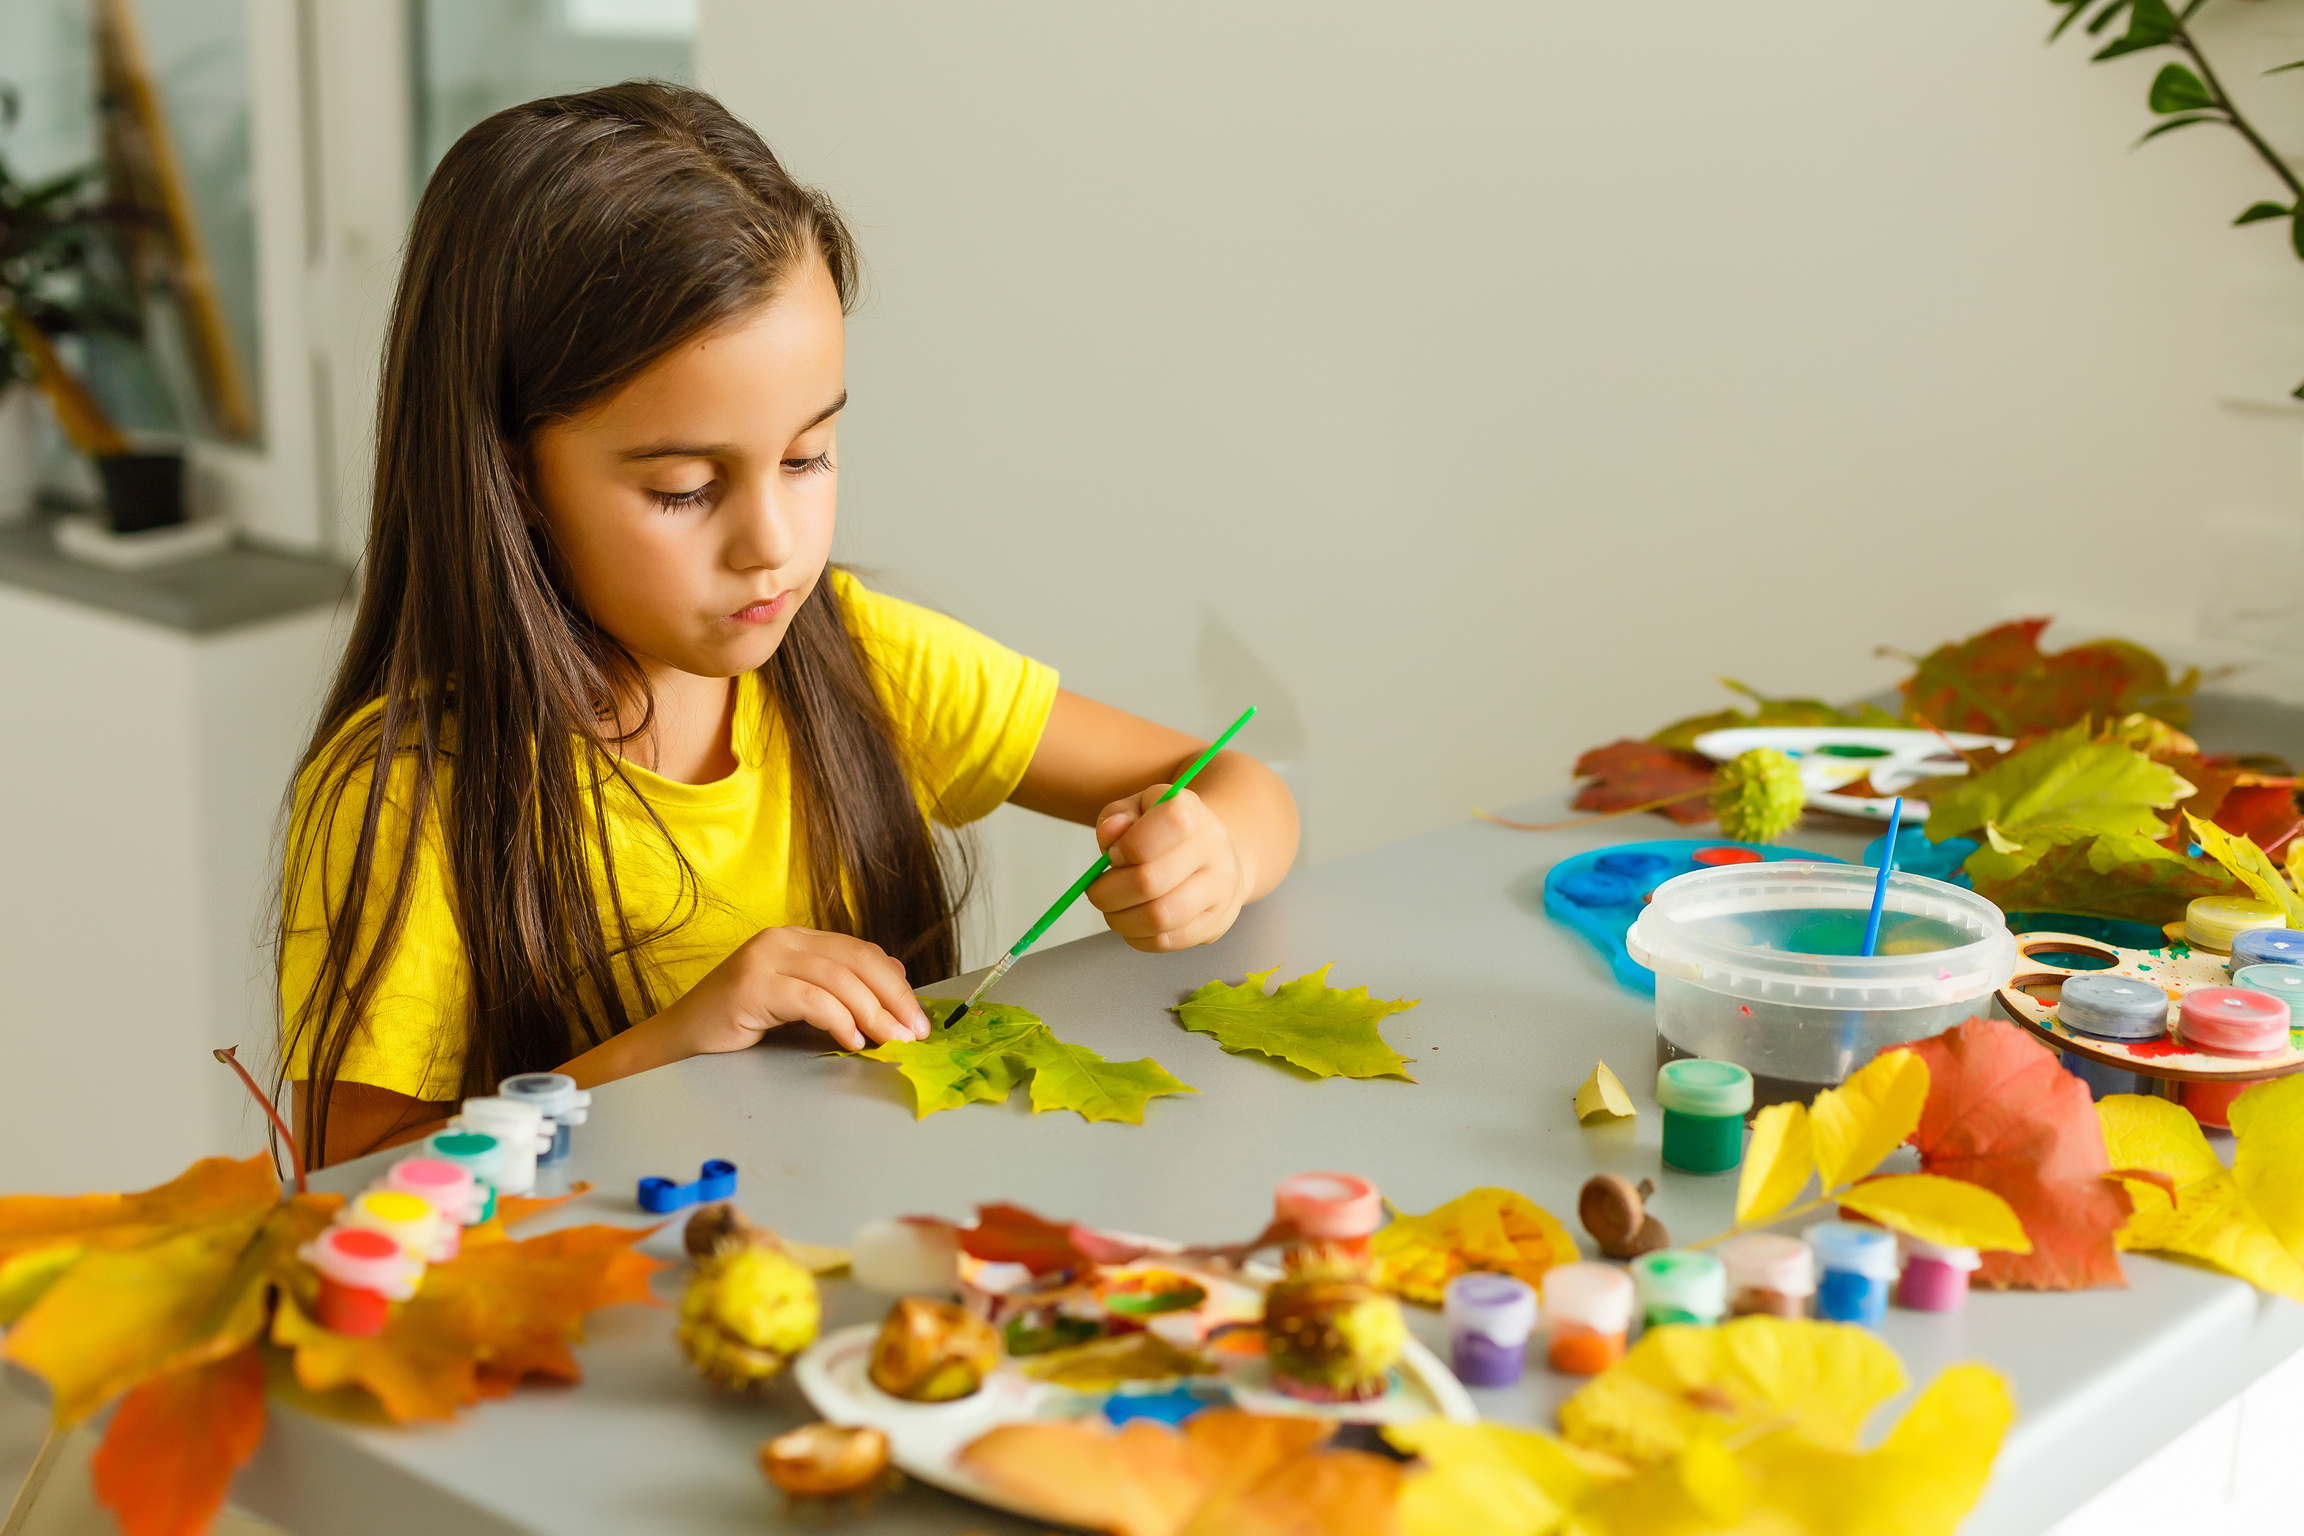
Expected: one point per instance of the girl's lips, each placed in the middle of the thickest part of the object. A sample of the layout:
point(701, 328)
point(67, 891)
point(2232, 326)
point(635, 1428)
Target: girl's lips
point(761, 613)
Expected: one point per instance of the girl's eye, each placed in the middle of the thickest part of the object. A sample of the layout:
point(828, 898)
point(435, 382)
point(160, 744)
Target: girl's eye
point(821, 464)
point(673, 501)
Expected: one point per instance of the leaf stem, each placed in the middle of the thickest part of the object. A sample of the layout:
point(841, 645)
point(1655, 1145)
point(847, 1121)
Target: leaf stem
point(1829, 1197)
point(230, 1056)
point(20, 1508)
point(2232, 116)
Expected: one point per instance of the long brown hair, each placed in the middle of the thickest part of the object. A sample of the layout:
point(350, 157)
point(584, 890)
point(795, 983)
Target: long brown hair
point(560, 249)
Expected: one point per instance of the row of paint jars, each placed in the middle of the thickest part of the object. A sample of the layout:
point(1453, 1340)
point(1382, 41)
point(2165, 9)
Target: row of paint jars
point(382, 1240)
point(1846, 1270)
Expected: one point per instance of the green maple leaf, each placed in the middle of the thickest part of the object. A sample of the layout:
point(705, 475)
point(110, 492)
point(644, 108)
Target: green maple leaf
point(2110, 875)
point(998, 1047)
point(2062, 790)
point(1327, 1031)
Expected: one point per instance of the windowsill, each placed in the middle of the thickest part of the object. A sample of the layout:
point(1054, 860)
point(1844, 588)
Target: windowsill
point(243, 585)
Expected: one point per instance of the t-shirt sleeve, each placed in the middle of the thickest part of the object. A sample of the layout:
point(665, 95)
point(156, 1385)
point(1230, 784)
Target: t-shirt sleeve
point(410, 1038)
point(968, 711)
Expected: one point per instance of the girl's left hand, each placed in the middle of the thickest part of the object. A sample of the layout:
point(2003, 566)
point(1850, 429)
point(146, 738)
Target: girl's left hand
point(1177, 878)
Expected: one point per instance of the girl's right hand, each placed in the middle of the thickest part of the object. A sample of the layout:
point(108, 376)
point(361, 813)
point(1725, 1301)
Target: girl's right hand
point(851, 989)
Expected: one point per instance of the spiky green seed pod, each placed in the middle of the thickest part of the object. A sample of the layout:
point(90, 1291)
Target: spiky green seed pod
point(747, 1311)
point(1758, 795)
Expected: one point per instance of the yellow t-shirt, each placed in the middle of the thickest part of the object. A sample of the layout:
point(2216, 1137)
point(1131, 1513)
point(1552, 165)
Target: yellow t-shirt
point(967, 712)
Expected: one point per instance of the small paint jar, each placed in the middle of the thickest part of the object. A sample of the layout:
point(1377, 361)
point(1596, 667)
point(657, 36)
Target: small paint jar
point(1587, 1312)
point(2277, 979)
point(477, 1154)
point(557, 1099)
point(1679, 1285)
point(1856, 1264)
point(407, 1219)
point(2213, 922)
point(447, 1188)
point(2266, 946)
point(1704, 1104)
point(2211, 1103)
point(1768, 1274)
point(520, 1130)
point(2232, 1021)
point(361, 1274)
point(1935, 1275)
point(1489, 1319)
point(1334, 1210)
point(2103, 1006)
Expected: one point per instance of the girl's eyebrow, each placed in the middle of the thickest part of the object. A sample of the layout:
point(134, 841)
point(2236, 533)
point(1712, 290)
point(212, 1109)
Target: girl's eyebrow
point(724, 450)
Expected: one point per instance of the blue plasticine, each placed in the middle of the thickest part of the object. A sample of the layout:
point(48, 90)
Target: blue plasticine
point(1599, 893)
point(716, 1180)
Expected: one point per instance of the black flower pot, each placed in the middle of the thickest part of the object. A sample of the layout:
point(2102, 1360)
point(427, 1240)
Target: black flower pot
point(142, 490)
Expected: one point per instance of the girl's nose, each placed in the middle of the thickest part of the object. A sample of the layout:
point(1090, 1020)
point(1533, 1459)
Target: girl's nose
point(760, 532)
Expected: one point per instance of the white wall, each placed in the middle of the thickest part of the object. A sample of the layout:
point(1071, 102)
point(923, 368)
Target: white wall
point(1499, 373)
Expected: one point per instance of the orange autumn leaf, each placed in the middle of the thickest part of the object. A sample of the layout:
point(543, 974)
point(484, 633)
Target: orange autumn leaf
point(2003, 1113)
point(171, 1449)
point(499, 1311)
point(2000, 683)
point(113, 1317)
point(1629, 773)
point(1239, 1474)
point(1488, 1229)
point(40, 1235)
point(511, 1210)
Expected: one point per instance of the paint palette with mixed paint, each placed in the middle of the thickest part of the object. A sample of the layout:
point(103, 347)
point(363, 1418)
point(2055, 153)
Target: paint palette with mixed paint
point(1600, 893)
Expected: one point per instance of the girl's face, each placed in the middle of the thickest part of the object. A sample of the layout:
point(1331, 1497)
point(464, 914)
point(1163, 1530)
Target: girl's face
point(694, 507)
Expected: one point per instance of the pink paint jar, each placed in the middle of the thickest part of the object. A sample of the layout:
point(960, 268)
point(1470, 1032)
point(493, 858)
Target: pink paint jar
point(448, 1188)
point(1334, 1210)
point(1935, 1275)
point(2232, 1021)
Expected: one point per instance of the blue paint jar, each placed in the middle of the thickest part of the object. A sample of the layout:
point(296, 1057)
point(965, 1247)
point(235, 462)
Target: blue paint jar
point(1704, 1104)
point(2266, 946)
point(1856, 1266)
point(557, 1099)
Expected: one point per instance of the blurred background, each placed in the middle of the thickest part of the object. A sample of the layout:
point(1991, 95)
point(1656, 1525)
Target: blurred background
point(1465, 383)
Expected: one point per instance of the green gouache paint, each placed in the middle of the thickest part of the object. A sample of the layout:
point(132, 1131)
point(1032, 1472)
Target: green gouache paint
point(1704, 1104)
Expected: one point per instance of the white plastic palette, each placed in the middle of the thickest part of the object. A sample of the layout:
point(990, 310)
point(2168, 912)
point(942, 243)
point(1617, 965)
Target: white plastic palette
point(1833, 756)
point(925, 1439)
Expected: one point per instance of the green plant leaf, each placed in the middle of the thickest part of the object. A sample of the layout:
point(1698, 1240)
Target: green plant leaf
point(2053, 793)
point(2177, 89)
point(1327, 1031)
point(2109, 875)
point(2106, 17)
point(2257, 213)
point(2150, 25)
point(1766, 711)
point(2281, 69)
point(997, 1047)
point(2175, 123)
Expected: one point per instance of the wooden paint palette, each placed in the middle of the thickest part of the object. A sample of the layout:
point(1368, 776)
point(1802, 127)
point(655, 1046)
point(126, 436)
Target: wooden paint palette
point(2031, 996)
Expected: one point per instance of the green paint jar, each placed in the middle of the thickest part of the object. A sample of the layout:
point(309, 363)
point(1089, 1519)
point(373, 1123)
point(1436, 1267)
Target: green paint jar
point(1704, 1104)
point(1680, 1286)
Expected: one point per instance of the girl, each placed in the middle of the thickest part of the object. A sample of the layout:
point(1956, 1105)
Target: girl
point(617, 770)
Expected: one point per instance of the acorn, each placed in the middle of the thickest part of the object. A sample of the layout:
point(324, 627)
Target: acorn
point(713, 1225)
point(1330, 1334)
point(749, 1308)
point(1616, 1214)
point(827, 1461)
point(933, 1351)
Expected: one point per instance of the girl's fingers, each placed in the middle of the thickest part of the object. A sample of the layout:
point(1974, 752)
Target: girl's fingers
point(880, 971)
point(1171, 912)
point(859, 1006)
point(1161, 828)
point(1125, 886)
point(795, 998)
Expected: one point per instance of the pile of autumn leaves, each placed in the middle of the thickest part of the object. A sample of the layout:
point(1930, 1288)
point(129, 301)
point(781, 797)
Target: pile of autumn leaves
point(1752, 1425)
point(180, 1300)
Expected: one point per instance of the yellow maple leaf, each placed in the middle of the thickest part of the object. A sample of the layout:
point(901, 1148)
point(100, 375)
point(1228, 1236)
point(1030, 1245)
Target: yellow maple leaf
point(1486, 1229)
point(1777, 1164)
point(1755, 1433)
point(2246, 1220)
point(1867, 1117)
point(1602, 1099)
point(2248, 864)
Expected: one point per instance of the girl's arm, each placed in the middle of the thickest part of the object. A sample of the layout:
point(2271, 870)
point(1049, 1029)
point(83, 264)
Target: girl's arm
point(364, 1119)
point(1182, 871)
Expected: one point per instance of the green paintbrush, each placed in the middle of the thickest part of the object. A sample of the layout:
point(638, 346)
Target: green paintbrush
point(1103, 863)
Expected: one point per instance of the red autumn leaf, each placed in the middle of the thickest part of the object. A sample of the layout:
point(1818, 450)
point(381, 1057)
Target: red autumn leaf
point(174, 1443)
point(1010, 1234)
point(1629, 773)
point(2003, 1113)
point(2264, 812)
point(2000, 683)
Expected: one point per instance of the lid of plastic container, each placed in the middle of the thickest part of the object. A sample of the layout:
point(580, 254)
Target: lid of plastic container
point(2273, 979)
point(1921, 1248)
point(2233, 1021)
point(1853, 1249)
point(1696, 1086)
point(1335, 1206)
point(493, 1111)
point(1770, 1261)
point(2267, 946)
point(1501, 1306)
point(1594, 1296)
point(2213, 922)
point(463, 1146)
point(1677, 934)
point(2114, 1007)
point(1682, 1280)
point(553, 1093)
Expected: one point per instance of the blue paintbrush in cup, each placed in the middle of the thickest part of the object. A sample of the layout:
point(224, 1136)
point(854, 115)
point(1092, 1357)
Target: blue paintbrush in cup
point(1880, 886)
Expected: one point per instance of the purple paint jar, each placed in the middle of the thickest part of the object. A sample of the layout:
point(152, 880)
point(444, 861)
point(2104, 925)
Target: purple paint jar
point(1935, 1276)
point(1489, 1320)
